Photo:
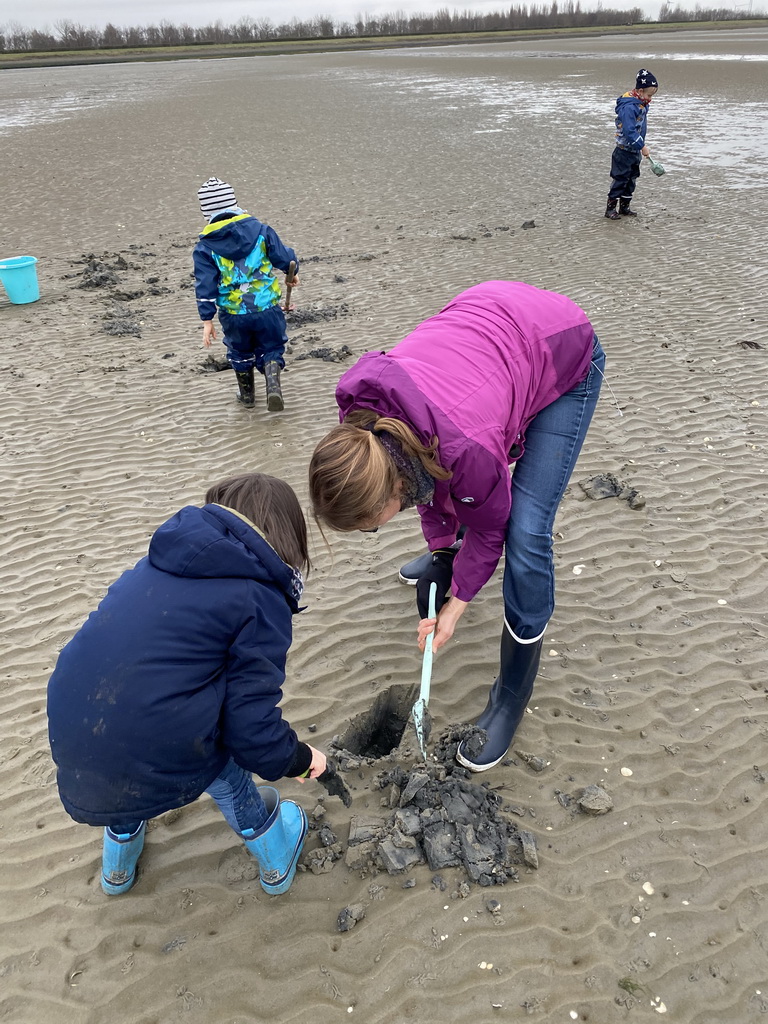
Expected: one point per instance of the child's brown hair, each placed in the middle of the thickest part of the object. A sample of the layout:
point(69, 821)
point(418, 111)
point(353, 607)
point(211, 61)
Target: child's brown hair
point(273, 508)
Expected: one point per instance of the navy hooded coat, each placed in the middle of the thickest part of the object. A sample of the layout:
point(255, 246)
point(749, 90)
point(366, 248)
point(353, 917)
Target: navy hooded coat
point(178, 669)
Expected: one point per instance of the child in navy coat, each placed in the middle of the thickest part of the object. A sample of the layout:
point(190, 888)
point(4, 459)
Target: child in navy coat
point(171, 687)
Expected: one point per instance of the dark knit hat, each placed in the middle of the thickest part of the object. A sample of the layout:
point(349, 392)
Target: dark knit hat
point(645, 80)
point(216, 195)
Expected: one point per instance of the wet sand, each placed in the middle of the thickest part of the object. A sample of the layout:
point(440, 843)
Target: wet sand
point(400, 178)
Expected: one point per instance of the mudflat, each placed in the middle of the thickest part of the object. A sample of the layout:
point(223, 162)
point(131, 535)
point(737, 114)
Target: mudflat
point(402, 177)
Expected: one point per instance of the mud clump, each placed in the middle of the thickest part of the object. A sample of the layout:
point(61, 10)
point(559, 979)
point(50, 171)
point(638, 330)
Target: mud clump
point(321, 314)
point(122, 322)
point(98, 275)
point(100, 271)
point(328, 355)
point(349, 916)
point(606, 485)
point(437, 816)
point(214, 364)
point(594, 800)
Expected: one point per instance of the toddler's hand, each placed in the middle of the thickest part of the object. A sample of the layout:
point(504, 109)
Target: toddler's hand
point(209, 332)
point(318, 765)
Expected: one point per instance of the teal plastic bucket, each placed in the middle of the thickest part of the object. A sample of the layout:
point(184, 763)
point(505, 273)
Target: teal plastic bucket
point(19, 278)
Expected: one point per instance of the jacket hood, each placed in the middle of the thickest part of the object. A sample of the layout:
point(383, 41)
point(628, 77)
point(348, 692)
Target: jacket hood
point(627, 99)
point(233, 238)
point(213, 543)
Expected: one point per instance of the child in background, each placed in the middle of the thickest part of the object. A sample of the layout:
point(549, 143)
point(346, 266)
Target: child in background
point(631, 126)
point(233, 264)
point(171, 687)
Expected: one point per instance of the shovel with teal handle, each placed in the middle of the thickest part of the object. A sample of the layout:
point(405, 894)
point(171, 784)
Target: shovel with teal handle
point(656, 167)
point(420, 710)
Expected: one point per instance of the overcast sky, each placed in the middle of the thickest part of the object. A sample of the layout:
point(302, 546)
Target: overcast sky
point(42, 13)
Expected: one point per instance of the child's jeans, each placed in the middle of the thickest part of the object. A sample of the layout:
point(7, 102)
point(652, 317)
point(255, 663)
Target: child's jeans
point(237, 796)
point(625, 170)
point(253, 339)
point(552, 444)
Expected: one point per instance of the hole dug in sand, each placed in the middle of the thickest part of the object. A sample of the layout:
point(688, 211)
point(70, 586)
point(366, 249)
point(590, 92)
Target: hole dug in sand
point(379, 731)
point(429, 812)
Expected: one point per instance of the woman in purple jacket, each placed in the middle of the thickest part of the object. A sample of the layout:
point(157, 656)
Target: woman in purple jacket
point(506, 373)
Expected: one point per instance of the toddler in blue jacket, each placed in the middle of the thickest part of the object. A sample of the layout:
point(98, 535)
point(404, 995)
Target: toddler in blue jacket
point(171, 687)
point(631, 126)
point(234, 262)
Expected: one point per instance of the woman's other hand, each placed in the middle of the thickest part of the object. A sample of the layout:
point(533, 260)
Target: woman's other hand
point(443, 626)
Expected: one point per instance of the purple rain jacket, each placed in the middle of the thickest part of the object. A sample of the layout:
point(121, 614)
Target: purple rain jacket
point(475, 375)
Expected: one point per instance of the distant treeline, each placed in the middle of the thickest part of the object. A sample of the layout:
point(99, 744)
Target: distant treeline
point(69, 35)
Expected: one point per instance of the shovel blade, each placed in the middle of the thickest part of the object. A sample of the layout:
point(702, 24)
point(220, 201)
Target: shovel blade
point(423, 725)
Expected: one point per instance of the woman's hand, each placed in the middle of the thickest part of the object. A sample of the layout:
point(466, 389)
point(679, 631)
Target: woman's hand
point(443, 625)
point(317, 765)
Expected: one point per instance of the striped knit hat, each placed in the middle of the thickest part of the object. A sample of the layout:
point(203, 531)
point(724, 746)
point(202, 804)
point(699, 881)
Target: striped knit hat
point(216, 195)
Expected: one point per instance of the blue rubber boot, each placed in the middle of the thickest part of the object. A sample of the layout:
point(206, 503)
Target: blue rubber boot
point(276, 845)
point(119, 858)
point(507, 702)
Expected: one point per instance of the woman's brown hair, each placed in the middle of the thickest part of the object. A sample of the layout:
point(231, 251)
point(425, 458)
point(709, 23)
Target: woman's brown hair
point(271, 505)
point(352, 477)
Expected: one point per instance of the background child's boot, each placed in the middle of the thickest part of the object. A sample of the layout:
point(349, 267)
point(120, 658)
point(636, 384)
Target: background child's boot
point(274, 392)
point(276, 845)
point(119, 858)
point(624, 209)
point(610, 211)
point(245, 384)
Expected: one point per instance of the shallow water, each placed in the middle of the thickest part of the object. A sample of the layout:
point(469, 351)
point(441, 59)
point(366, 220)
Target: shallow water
point(700, 118)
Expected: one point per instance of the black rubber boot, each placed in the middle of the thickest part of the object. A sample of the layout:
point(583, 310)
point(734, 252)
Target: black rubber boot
point(412, 571)
point(245, 384)
point(507, 702)
point(274, 392)
point(624, 209)
point(610, 211)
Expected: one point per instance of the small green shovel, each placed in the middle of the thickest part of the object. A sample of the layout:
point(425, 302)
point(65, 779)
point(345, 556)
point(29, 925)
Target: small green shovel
point(656, 167)
point(420, 711)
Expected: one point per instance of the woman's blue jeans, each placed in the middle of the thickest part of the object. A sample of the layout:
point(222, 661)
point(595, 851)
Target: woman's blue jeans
point(552, 444)
point(237, 796)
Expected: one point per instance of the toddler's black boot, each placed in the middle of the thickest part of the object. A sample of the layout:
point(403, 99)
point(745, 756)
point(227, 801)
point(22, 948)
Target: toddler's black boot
point(245, 384)
point(507, 702)
point(624, 209)
point(610, 211)
point(274, 392)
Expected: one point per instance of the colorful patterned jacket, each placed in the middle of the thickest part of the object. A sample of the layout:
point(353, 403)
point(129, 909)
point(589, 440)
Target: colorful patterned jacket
point(233, 266)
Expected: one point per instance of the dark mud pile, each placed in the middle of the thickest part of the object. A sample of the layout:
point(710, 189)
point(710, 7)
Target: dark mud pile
point(606, 485)
point(432, 814)
point(116, 279)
